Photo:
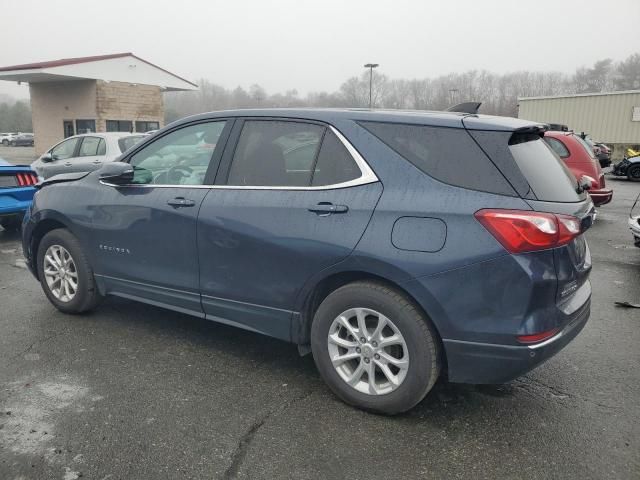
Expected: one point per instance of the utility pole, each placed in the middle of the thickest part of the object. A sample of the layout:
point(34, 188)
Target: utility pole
point(371, 66)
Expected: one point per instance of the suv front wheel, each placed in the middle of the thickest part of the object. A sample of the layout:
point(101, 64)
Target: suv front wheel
point(374, 348)
point(65, 273)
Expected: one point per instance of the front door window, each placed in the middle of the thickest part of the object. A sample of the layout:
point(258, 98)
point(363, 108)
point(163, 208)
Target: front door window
point(181, 157)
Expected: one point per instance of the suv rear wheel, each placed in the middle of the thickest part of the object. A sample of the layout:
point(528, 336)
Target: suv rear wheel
point(374, 348)
point(65, 274)
point(633, 173)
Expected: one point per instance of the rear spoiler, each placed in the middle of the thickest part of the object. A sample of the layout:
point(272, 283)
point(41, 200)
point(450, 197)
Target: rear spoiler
point(466, 107)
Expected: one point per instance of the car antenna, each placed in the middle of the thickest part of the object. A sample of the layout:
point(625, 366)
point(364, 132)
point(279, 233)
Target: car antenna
point(466, 107)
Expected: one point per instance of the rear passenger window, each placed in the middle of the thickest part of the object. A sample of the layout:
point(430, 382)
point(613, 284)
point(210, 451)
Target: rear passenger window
point(446, 154)
point(335, 164)
point(92, 146)
point(275, 154)
point(557, 146)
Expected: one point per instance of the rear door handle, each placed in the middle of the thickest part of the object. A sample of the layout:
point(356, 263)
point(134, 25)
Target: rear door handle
point(327, 208)
point(179, 202)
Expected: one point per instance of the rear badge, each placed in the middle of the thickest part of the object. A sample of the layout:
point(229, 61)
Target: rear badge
point(569, 289)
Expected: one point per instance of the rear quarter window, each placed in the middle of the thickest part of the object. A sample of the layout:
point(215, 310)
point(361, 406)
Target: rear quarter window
point(449, 155)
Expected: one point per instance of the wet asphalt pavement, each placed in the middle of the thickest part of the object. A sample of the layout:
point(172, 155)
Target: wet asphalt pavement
point(135, 392)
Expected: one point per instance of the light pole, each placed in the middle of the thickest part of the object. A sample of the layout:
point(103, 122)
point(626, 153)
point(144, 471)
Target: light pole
point(371, 66)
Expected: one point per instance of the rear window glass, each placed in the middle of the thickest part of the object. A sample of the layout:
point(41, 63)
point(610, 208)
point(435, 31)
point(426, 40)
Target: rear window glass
point(446, 154)
point(557, 146)
point(547, 175)
point(585, 144)
point(125, 143)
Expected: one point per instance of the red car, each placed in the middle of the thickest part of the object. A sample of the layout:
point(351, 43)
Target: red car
point(580, 159)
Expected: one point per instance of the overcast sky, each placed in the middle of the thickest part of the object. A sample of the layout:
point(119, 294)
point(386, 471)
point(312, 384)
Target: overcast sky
point(316, 45)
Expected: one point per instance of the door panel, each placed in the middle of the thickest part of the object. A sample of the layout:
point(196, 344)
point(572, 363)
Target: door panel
point(145, 233)
point(145, 247)
point(258, 247)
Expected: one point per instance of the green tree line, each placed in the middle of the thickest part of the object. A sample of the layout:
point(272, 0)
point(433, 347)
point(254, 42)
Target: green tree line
point(15, 117)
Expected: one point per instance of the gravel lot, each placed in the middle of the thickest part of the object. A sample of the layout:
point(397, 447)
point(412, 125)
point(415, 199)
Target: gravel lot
point(135, 392)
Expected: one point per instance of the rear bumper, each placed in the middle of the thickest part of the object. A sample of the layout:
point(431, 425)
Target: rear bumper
point(601, 197)
point(484, 363)
point(15, 201)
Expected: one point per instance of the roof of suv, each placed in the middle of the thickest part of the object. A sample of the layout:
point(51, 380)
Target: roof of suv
point(421, 117)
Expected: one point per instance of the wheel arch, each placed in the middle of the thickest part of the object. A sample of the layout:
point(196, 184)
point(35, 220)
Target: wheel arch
point(333, 281)
point(43, 227)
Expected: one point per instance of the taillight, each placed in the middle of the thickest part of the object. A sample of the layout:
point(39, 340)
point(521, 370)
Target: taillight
point(26, 179)
point(522, 231)
point(537, 337)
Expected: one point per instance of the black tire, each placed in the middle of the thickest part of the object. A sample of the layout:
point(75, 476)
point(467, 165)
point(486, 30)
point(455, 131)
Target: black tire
point(421, 339)
point(87, 296)
point(5, 142)
point(11, 224)
point(633, 173)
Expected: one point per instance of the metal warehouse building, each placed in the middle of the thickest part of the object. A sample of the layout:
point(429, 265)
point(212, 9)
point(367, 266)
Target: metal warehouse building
point(611, 117)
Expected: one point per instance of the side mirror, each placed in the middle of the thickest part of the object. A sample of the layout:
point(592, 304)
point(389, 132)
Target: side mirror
point(47, 157)
point(116, 173)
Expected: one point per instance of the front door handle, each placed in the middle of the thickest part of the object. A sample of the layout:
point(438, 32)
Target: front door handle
point(327, 208)
point(68, 164)
point(179, 202)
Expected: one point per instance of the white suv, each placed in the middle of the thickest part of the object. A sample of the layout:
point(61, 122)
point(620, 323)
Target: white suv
point(5, 138)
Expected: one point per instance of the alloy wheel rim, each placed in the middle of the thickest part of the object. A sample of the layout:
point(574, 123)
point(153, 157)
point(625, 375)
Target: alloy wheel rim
point(60, 273)
point(368, 351)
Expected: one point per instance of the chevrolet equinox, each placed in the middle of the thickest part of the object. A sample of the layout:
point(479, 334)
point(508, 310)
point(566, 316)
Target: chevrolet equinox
point(396, 247)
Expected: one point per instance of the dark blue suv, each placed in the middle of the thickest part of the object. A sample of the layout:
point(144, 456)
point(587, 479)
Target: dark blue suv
point(394, 246)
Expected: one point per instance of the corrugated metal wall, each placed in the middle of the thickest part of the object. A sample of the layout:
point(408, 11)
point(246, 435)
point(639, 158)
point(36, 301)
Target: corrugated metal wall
point(607, 118)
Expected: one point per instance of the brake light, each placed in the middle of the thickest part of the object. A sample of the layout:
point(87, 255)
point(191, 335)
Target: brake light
point(537, 337)
point(26, 179)
point(521, 231)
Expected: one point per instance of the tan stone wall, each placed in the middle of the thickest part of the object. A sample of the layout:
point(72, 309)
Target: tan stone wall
point(54, 102)
point(124, 101)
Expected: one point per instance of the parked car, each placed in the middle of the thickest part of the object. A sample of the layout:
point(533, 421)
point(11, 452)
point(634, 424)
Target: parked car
point(17, 186)
point(599, 152)
point(629, 166)
point(6, 137)
point(603, 154)
point(84, 153)
point(22, 140)
point(382, 285)
point(559, 127)
point(578, 155)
